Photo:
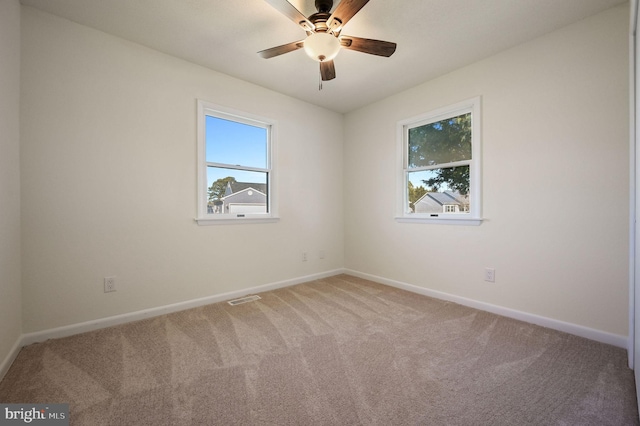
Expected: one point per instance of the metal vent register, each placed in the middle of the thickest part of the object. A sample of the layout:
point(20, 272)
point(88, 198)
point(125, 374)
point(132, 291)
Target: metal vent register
point(242, 300)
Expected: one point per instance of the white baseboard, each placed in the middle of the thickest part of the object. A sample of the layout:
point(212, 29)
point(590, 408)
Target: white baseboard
point(69, 330)
point(11, 356)
point(577, 330)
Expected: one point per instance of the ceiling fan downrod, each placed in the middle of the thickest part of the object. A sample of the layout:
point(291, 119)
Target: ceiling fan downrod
point(324, 6)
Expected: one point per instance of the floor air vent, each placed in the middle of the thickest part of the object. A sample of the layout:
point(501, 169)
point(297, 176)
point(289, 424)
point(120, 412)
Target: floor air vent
point(242, 300)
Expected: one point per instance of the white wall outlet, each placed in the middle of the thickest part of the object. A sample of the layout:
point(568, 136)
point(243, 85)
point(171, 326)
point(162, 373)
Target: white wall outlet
point(109, 284)
point(304, 256)
point(490, 275)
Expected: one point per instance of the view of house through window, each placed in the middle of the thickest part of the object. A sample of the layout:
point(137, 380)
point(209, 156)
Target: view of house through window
point(434, 188)
point(237, 162)
point(441, 171)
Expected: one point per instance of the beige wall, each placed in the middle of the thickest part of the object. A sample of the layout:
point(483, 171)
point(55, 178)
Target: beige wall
point(10, 289)
point(556, 172)
point(109, 180)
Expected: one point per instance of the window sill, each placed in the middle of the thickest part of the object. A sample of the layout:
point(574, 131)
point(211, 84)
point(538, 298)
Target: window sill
point(206, 221)
point(441, 220)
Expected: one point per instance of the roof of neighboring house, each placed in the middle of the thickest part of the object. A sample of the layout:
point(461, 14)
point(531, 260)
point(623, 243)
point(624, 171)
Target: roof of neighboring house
point(443, 198)
point(247, 195)
point(427, 204)
point(462, 199)
point(234, 187)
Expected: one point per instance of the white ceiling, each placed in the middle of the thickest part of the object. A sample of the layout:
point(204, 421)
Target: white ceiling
point(434, 37)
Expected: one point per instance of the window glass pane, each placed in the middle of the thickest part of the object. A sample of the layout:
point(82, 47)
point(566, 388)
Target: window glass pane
point(441, 142)
point(443, 190)
point(236, 191)
point(233, 143)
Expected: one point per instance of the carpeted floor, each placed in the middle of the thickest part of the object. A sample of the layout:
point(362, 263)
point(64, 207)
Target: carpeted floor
point(336, 351)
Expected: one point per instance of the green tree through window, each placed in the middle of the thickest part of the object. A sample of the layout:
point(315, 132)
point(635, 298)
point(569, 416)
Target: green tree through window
point(443, 142)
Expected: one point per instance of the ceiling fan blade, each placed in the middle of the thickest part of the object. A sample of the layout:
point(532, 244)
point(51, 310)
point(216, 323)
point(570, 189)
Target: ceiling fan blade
point(289, 10)
point(345, 11)
point(327, 70)
point(367, 45)
point(280, 50)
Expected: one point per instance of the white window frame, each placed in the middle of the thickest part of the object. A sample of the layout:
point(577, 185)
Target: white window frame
point(205, 109)
point(474, 217)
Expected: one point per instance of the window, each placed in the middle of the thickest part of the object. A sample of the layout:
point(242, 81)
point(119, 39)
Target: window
point(235, 166)
point(439, 180)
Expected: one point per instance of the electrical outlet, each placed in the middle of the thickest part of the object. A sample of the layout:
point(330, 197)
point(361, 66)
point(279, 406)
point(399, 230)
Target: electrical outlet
point(304, 256)
point(490, 275)
point(109, 284)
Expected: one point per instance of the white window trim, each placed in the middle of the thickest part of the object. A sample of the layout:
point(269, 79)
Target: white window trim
point(204, 218)
point(474, 217)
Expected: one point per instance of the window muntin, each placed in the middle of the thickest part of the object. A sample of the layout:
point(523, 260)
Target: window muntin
point(440, 178)
point(235, 166)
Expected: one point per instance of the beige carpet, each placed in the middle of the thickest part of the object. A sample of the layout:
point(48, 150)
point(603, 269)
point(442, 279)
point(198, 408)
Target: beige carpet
point(336, 351)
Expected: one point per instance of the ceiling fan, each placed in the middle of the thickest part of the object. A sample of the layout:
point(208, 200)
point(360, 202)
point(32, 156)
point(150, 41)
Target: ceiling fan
point(324, 39)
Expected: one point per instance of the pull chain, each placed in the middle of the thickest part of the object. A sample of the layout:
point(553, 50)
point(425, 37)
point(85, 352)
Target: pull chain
point(319, 81)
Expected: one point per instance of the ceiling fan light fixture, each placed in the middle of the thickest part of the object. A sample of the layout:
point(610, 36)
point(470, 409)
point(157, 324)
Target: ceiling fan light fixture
point(322, 46)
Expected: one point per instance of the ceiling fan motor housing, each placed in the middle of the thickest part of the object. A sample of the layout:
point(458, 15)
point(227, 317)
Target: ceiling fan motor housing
point(320, 21)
